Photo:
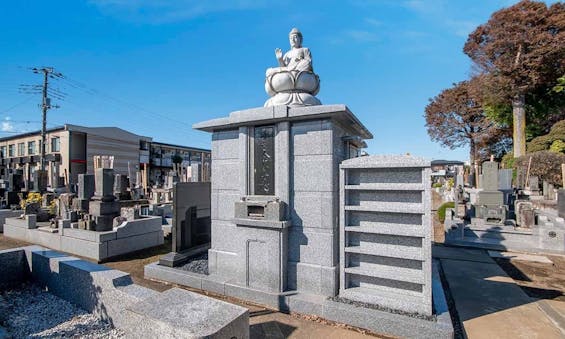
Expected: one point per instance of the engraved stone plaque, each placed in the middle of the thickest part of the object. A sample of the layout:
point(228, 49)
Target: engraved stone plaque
point(264, 160)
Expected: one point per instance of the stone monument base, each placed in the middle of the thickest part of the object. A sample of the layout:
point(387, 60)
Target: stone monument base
point(355, 314)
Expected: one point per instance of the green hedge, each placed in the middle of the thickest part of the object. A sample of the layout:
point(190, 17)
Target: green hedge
point(442, 208)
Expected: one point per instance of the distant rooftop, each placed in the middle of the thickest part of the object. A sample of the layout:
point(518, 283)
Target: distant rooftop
point(446, 162)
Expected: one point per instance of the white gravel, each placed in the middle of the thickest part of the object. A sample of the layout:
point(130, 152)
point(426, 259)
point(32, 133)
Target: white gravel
point(30, 312)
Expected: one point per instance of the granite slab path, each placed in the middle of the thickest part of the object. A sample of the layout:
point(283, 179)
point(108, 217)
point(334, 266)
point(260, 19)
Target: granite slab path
point(489, 303)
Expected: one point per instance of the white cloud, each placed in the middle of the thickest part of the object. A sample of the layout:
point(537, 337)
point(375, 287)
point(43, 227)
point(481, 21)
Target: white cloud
point(157, 11)
point(6, 126)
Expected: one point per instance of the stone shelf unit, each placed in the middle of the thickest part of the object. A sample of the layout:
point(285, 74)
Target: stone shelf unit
point(385, 232)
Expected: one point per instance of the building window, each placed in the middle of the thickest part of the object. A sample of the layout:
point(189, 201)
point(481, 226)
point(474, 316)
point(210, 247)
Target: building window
point(11, 150)
point(143, 145)
point(21, 149)
point(3, 151)
point(31, 148)
point(55, 144)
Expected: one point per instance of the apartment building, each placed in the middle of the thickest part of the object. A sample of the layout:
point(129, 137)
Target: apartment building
point(71, 148)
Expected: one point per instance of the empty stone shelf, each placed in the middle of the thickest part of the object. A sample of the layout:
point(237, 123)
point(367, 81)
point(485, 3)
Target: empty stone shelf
point(390, 207)
point(386, 187)
point(391, 251)
point(390, 229)
point(389, 272)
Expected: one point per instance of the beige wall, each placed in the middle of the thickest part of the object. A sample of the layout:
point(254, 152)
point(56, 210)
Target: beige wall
point(28, 168)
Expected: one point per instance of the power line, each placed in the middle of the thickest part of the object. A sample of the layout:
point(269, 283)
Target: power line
point(92, 91)
point(16, 105)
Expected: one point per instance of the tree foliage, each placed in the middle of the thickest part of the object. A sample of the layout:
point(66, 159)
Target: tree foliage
point(545, 164)
point(522, 46)
point(546, 142)
point(521, 49)
point(455, 118)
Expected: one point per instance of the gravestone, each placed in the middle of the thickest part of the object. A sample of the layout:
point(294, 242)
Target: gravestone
point(11, 198)
point(40, 179)
point(85, 186)
point(297, 251)
point(191, 230)
point(103, 208)
point(15, 182)
point(534, 185)
point(505, 179)
point(195, 171)
point(121, 184)
point(490, 201)
point(561, 203)
point(490, 176)
point(548, 191)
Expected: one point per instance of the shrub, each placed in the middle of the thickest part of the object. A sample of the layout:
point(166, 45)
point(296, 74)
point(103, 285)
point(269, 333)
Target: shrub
point(31, 198)
point(436, 185)
point(507, 160)
point(545, 142)
point(541, 143)
point(442, 208)
point(558, 146)
point(546, 165)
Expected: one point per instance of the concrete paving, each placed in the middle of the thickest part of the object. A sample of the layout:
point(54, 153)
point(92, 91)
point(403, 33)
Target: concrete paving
point(488, 301)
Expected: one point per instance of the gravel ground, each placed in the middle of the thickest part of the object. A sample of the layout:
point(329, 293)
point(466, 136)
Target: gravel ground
point(31, 312)
point(197, 264)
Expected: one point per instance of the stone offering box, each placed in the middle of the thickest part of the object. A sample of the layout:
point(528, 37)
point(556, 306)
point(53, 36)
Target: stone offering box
point(113, 297)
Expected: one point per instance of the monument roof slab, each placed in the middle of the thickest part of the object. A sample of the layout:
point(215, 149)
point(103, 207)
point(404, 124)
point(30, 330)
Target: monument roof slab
point(273, 114)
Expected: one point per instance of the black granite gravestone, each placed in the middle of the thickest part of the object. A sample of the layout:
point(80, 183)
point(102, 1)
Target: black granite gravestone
point(191, 222)
point(264, 160)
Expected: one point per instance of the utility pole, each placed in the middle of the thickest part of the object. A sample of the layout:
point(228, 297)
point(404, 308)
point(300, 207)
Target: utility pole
point(45, 106)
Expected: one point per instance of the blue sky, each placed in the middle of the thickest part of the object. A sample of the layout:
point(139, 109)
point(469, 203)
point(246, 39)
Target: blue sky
point(156, 67)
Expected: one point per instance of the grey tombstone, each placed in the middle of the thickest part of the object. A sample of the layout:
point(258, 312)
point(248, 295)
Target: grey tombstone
point(191, 230)
point(121, 184)
point(505, 179)
point(534, 185)
point(561, 203)
point(104, 183)
point(490, 176)
point(85, 186)
point(195, 172)
point(103, 209)
point(490, 201)
point(40, 180)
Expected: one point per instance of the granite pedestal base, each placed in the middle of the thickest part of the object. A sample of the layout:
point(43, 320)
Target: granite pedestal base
point(375, 320)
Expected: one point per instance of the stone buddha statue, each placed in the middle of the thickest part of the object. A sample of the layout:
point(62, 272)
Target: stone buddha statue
point(294, 82)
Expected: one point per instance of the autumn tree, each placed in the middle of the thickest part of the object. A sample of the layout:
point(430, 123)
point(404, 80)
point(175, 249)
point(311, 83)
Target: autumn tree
point(521, 48)
point(456, 118)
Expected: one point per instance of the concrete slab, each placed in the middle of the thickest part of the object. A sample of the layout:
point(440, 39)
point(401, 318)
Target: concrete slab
point(491, 305)
point(520, 256)
point(464, 254)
